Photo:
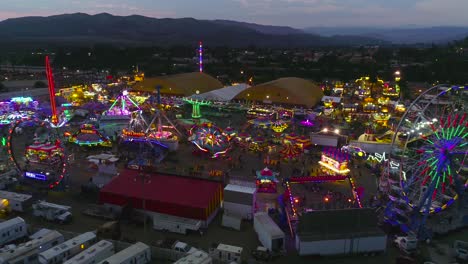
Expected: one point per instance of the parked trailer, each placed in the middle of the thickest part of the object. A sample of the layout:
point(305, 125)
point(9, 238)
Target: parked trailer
point(52, 212)
point(197, 257)
point(67, 249)
point(94, 254)
point(355, 245)
point(138, 253)
point(269, 234)
point(174, 224)
point(27, 253)
point(16, 201)
point(12, 230)
point(227, 253)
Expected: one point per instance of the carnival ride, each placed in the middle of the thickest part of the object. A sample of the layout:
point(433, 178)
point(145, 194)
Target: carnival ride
point(126, 106)
point(117, 117)
point(89, 135)
point(210, 139)
point(424, 172)
point(168, 134)
point(135, 137)
point(43, 161)
point(279, 126)
point(266, 180)
point(196, 113)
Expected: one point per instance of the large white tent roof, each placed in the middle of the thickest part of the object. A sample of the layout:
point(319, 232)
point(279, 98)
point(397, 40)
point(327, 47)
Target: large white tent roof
point(223, 94)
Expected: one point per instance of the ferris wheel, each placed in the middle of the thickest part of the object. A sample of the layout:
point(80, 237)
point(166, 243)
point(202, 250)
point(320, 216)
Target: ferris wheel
point(429, 152)
point(42, 161)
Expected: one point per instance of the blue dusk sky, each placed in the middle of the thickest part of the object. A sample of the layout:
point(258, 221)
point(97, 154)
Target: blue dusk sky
point(295, 13)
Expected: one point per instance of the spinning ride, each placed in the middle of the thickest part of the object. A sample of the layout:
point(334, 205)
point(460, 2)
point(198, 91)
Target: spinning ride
point(88, 135)
point(138, 132)
point(43, 161)
point(209, 139)
point(430, 148)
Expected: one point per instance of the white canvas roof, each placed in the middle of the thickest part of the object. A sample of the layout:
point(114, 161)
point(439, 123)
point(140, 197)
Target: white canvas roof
point(334, 99)
point(223, 94)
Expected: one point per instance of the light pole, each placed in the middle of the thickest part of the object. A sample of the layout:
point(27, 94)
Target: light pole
point(145, 179)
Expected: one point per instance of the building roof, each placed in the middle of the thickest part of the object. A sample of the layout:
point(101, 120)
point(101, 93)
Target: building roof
point(184, 84)
point(11, 222)
point(239, 188)
point(290, 90)
point(223, 94)
point(165, 189)
point(14, 196)
point(338, 224)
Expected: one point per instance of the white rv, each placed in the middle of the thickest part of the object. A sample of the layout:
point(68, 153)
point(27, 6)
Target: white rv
point(12, 230)
point(67, 249)
point(16, 201)
point(27, 253)
point(138, 253)
point(94, 254)
point(227, 253)
point(197, 257)
point(174, 224)
point(52, 212)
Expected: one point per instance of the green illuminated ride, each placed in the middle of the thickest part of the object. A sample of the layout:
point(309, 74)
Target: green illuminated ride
point(196, 106)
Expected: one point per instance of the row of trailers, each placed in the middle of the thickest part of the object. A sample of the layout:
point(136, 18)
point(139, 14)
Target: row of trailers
point(49, 247)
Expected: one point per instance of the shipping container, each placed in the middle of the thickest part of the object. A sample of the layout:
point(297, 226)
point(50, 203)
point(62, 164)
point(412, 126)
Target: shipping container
point(269, 234)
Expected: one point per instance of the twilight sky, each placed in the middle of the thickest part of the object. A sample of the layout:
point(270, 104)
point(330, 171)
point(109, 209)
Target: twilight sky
point(296, 13)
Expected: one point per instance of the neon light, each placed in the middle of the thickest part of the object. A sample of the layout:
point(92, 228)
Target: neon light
point(331, 167)
point(36, 176)
point(21, 99)
point(200, 56)
point(50, 79)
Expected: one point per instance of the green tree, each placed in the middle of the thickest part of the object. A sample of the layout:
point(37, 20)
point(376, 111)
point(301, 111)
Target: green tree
point(40, 84)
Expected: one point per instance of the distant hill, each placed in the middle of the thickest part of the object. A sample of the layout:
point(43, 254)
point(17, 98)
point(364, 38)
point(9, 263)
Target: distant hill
point(413, 35)
point(265, 29)
point(84, 29)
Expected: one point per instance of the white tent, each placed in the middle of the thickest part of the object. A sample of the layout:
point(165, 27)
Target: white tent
point(223, 94)
point(333, 99)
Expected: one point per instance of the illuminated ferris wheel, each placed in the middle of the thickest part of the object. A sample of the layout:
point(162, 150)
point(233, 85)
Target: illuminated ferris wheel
point(430, 149)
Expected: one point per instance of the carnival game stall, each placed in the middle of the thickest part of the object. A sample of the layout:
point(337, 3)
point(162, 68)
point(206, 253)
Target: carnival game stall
point(335, 161)
point(42, 152)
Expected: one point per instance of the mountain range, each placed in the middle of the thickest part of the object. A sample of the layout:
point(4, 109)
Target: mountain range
point(402, 35)
point(84, 29)
point(79, 28)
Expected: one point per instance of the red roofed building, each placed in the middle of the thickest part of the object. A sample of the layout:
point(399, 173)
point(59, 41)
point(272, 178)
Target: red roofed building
point(165, 194)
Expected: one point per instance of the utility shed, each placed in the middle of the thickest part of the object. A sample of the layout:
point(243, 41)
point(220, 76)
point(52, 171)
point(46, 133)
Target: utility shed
point(338, 232)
